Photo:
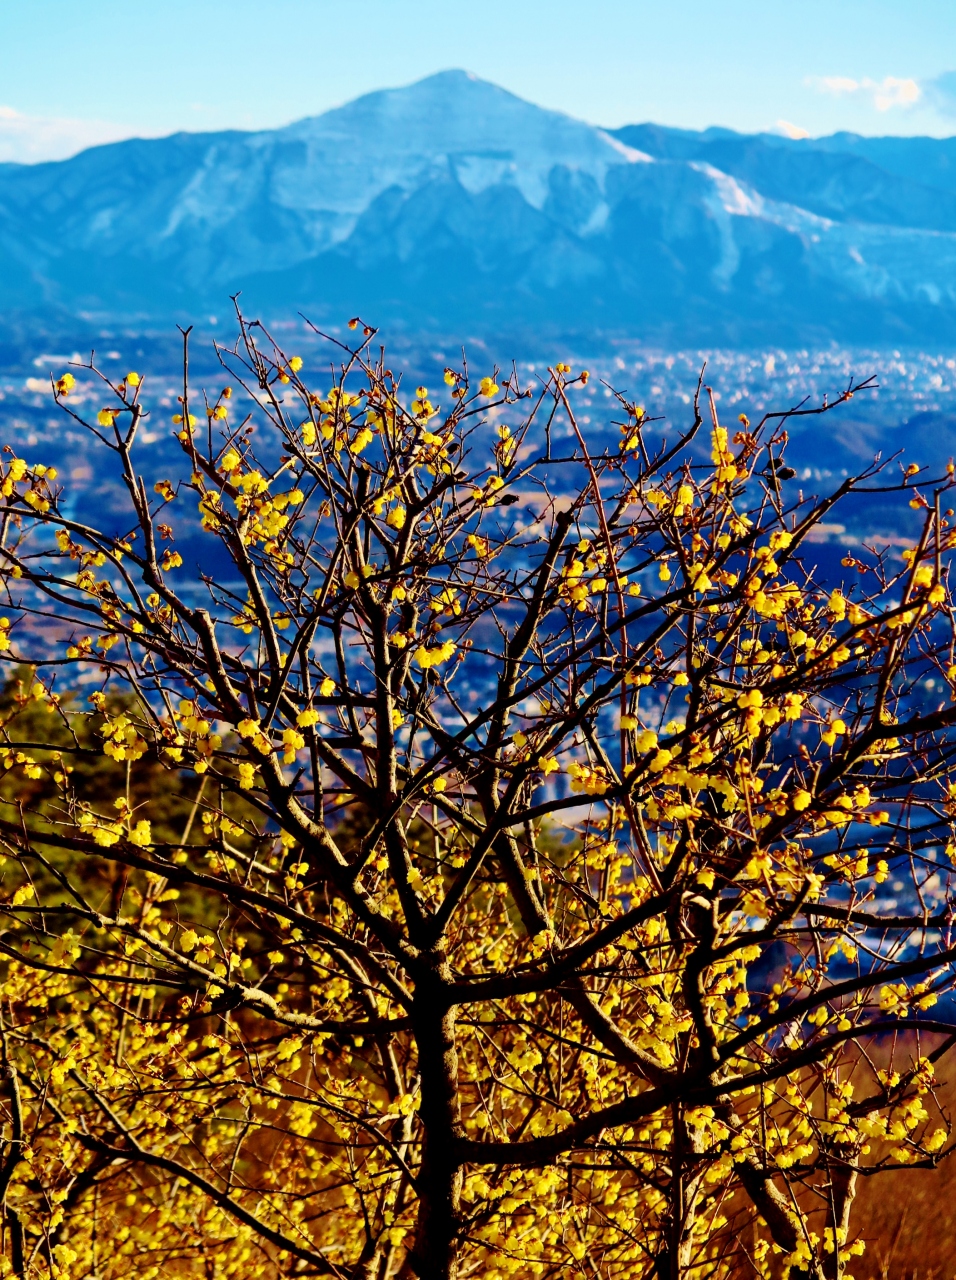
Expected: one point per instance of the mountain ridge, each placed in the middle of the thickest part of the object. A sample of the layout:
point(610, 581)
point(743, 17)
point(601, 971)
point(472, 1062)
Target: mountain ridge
point(452, 202)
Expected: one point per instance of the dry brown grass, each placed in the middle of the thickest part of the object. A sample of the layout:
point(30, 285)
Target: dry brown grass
point(907, 1216)
point(908, 1219)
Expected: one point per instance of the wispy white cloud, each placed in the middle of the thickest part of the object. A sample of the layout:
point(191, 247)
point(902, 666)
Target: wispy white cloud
point(27, 139)
point(891, 91)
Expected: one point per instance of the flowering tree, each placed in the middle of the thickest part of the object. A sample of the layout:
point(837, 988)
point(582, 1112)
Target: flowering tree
point(471, 862)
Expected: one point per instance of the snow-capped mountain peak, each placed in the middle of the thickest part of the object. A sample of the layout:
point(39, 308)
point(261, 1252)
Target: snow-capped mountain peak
point(451, 124)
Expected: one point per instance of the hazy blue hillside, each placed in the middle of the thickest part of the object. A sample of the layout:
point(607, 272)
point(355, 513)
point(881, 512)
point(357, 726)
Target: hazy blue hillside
point(845, 177)
point(930, 161)
point(452, 204)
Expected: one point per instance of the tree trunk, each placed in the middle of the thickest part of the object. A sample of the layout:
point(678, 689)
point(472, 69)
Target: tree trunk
point(842, 1193)
point(676, 1257)
point(434, 1255)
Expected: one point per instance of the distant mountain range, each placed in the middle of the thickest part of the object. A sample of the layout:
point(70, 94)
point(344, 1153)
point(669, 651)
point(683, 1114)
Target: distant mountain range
point(453, 205)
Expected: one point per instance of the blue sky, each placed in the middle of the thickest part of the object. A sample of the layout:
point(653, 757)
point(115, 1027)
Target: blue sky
point(73, 72)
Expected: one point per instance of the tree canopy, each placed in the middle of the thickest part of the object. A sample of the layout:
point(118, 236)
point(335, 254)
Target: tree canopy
point(436, 846)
